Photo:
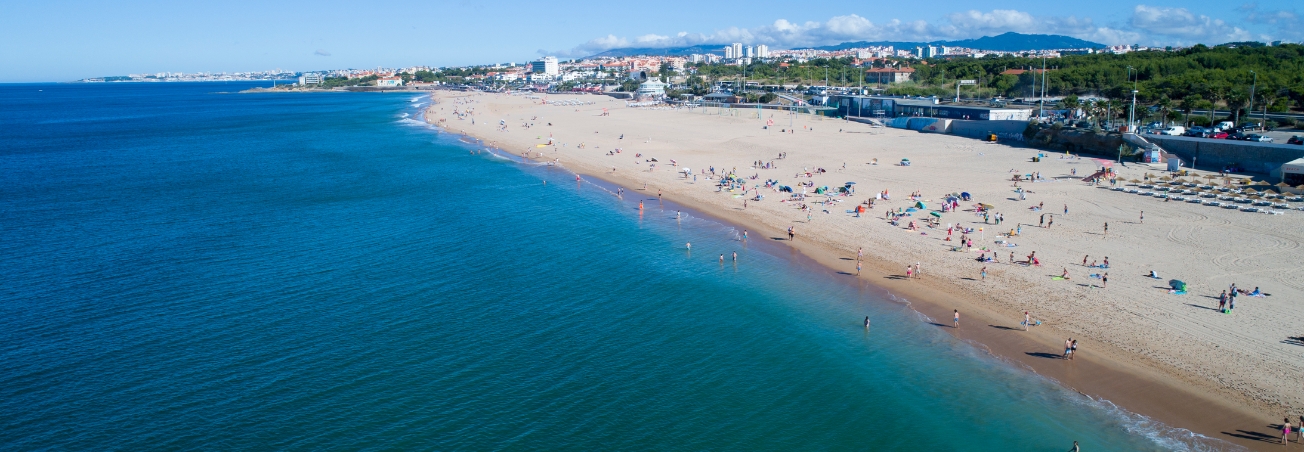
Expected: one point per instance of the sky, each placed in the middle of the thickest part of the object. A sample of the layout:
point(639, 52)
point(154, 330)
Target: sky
point(63, 40)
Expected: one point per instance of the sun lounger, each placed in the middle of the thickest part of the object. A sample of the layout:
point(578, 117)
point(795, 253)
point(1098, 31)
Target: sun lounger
point(1249, 209)
point(1276, 212)
point(1193, 200)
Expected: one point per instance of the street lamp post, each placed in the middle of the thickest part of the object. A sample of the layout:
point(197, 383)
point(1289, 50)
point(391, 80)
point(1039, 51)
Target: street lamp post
point(1131, 113)
point(1042, 113)
point(1250, 109)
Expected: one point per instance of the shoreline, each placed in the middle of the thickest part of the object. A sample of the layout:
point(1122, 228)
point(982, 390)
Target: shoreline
point(1127, 380)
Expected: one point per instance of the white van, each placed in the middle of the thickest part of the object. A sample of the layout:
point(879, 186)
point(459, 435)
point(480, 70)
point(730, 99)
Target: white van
point(1173, 130)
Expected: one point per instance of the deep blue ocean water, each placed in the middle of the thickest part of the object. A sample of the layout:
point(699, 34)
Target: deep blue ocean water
point(188, 268)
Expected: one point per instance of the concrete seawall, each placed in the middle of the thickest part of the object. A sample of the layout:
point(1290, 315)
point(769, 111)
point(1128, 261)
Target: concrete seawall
point(1262, 158)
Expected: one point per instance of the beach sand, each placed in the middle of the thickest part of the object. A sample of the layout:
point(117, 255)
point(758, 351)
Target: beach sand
point(1172, 357)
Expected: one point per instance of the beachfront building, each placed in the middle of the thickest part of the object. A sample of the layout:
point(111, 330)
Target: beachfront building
point(545, 65)
point(895, 107)
point(389, 81)
point(651, 89)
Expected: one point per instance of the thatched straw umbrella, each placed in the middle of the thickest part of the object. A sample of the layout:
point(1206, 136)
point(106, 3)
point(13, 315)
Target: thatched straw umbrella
point(1135, 181)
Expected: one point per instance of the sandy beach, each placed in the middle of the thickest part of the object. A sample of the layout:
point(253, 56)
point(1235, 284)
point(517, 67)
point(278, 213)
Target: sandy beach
point(1173, 357)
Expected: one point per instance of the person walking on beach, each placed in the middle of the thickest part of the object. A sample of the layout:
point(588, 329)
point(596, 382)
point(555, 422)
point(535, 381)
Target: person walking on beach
point(1285, 430)
point(984, 273)
point(1073, 349)
point(1084, 259)
point(1027, 320)
point(1104, 280)
point(1050, 223)
point(917, 272)
point(1143, 217)
point(1066, 212)
point(1222, 302)
point(857, 268)
point(910, 272)
point(1042, 223)
point(1068, 348)
point(1106, 229)
point(956, 322)
point(790, 234)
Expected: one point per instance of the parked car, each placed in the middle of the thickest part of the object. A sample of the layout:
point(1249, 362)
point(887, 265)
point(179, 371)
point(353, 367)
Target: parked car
point(1173, 130)
point(1197, 131)
point(1236, 136)
point(1224, 126)
point(1258, 138)
point(1295, 139)
point(1217, 135)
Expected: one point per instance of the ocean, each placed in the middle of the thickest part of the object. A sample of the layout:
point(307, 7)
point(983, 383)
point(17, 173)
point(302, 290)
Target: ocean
point(186, 267)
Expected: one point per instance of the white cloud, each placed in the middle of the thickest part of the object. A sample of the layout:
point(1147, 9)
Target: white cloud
point(1147, 25)
point(1181, 26)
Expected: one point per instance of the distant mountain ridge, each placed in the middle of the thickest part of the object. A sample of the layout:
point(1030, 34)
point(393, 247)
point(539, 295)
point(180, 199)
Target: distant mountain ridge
point(1007, 42)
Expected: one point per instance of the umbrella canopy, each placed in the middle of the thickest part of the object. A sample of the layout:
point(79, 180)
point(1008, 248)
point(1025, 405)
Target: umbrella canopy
point(1251, 191)
point(1135, 181)
point(1283, 185)
point(920, 204)
point(964, 194)
point(936, 214)
point(851, 183)
point(1177, 284)
point(1166, 178)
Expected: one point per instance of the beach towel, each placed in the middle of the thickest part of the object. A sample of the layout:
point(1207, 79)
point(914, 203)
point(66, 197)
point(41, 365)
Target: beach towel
point(1057, 278)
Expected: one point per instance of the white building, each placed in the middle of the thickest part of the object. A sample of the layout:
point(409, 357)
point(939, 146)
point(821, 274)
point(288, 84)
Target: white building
point(309, 79)
point(389, 81)
point(762, 51)
point(737, 49)
point(729, 53)
point(652, 88)
point(748, 52)
point(546, 66)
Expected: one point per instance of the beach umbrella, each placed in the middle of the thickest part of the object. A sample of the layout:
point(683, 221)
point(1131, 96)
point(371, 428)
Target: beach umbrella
point(1251, 191)
point(1166, 178)
point(964, 194)
point(1135, 181)
point(936, 214)
point(851, 183)
point(920, 204)
point(1283, 185)
point(1177, 284)
point(1300, 186)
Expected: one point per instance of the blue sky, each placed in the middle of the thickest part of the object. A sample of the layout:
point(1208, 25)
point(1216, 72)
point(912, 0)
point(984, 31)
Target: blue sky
point(58, 40)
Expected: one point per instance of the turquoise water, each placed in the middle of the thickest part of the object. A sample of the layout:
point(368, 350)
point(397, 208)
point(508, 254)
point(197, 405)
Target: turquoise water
point(191, 269)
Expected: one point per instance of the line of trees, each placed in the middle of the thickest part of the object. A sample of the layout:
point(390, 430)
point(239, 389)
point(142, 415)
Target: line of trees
point(1196, 78)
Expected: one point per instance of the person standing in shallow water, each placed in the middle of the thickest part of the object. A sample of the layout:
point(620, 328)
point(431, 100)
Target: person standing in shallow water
point(866, 322)
point(956, 320)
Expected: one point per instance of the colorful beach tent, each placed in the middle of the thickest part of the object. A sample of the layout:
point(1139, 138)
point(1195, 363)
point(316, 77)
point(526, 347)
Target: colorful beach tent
point(1177, 284)
point(920, 204)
